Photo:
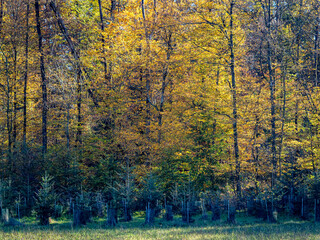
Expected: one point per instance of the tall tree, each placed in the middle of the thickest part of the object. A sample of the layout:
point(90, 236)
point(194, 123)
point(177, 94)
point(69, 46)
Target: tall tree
point(44, 80)
point(26, 69)
point(234, 101)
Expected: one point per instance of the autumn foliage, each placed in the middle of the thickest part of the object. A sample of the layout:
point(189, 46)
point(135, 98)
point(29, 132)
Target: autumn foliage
point(154, 103)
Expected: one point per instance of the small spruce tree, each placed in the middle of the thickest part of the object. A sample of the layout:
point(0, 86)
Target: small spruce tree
point(45, 200)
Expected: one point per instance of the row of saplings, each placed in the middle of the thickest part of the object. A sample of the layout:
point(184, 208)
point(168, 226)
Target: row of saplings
point(187, 204)
point(86, 206)
point(83, 210)
point(83, 213)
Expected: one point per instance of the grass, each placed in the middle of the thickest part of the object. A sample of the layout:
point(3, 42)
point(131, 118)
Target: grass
point(246, 228)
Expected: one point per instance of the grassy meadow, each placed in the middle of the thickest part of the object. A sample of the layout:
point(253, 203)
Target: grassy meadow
point(246, 228)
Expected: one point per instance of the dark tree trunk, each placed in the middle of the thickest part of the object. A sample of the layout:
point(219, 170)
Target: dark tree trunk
point(169, 213)
point(1, 14)
point(127, 212)
point(67, 128)
point(317, 210)
point(26, 77)
point(234, 105)
point(104, 62)
point(164, 83)
point(5, 215)
point(186, 213)
point(112, 218)
point(44, 220)
point(316, 54)
point(9, 116)
point(14, 120)
point(284, 92)
point(215, 208)
point(76, 217)
point(79, 116)
point(272, 99)
point(270, 213)
point(204, 214)
point(147, 88)
point(150, 214)
point(44, 81)
point(147, 123)
point(231, 212)
point(81, 216)
point(304, 208)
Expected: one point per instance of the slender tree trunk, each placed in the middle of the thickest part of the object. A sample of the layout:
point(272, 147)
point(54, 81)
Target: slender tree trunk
point(68, 130)
point(1, 14)
point(164, 85)
point(112, 18)
point(316, 46)
point(272, 102)
point(104, 62)
point(26, 77)
point(79, 116)
point(147, 131)
point(147, 87)
point(284, 93)
point(8, 115)
point(314, 168)
point(316, 57)
point(234, 105)
point(44, 81)
point(112, 9)
point(14, 120)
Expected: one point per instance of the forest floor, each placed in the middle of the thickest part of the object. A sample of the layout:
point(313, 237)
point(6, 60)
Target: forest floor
point(246, 228)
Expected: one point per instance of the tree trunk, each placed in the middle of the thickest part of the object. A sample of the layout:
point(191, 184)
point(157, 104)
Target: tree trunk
point(215, 209)
point(186, 213)
point(26, 77)
point(44, 81)
point(234, 106)
point(148, 89)
point(79, 116)
point(81, 216)
point(164, 85)
point(67, 128)
point(316, 46)
point(204, 214)
point(127, 213)
point(112, 218)
point(44, 220)
point(76, 217)
point(284, 92)
point(272, 100)
point(5, 215)
point(169, 213)
point(231, 213)
point(1, 14)
point(150, 214)
point(15, 86)
point(104, 62)
point(9, 116)
point(317, 210)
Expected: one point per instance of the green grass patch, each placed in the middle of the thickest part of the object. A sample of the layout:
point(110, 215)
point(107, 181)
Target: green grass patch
point(246, 228)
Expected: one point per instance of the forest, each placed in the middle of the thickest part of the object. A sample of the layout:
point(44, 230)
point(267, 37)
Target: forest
point(196, 109)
